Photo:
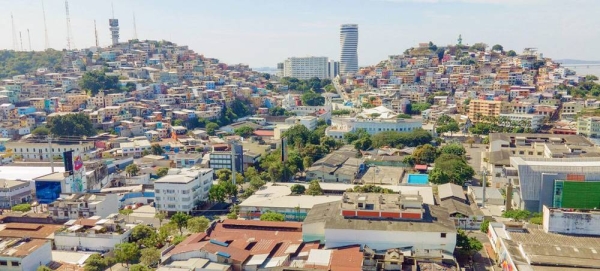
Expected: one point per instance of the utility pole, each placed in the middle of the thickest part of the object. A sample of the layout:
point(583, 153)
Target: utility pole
point(483, 184)
point(51, 153)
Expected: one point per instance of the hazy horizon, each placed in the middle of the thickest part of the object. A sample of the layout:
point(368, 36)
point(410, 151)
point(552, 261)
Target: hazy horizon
point(262, 33)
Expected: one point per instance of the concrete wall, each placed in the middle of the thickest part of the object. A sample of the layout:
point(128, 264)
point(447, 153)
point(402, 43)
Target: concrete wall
point(390, 239)
point(40, 256)
point(582, 223)
point(313, 232)
point(95, 242)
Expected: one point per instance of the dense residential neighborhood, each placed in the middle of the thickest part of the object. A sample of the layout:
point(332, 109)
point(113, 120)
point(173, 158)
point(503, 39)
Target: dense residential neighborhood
point(146, 155)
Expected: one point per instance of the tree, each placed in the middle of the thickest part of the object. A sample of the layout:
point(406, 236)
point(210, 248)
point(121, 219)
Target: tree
point(518, 215)
point(150, 256)
point(178, 122)
point(180, 219)
point(271, 216)
point(453, 148)
point(94, 81)
point(41, 131)
point(417, 108)
point(23, 207)
point(145, 152)
point(77, 125)
point(144, 235)
point(211, 128)
point(451, 168)
point(591, 77)
point(470, 141)
point(162, 171)
point(44, 268)
point(132, 170)
point(139, 267)
point(467, 245)
point(511, 53)
point(160, 216)
point(157, 149)
point(217, 193)
point(98, 263)
point(311, 98)
point(298, 189)
point(536, 218)
point(17, 63)
point(127, 253)
point(479, 46)
point(314, 188)
point(198, 224)
point(424, 154)
point(485, 225)
point(244, 131)
point(369, 188)
point(257, 183)
point(165, 231)
point(498, 48)
point(126, 212)
point(269, 86)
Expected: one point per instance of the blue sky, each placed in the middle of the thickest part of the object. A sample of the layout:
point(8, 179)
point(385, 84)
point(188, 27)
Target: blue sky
point(264, 32)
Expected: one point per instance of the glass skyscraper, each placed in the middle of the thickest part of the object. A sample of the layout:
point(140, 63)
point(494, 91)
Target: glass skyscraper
point(348, 45)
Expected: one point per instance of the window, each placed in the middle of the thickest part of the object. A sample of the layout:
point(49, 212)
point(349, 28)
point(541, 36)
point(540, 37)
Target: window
point(3, 263)
point(443, 235)
point(157, 191)
point(171, 206)
point(15, 263)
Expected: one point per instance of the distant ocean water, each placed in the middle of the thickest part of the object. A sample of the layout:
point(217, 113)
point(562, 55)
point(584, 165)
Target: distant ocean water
point(583, 70)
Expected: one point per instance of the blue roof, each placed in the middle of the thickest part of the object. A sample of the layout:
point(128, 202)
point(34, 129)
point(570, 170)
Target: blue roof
point(223, 254)
point(216, 242)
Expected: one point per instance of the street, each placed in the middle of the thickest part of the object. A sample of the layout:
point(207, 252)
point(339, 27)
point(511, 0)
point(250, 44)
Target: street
point(474, 159)
point(481, 260)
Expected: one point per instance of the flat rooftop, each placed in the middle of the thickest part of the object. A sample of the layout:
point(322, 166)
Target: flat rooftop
point(383, 175)
point(19, 247)
point(28, 173)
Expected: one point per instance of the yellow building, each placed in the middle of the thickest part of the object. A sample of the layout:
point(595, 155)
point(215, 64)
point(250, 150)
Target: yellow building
point(483, 108)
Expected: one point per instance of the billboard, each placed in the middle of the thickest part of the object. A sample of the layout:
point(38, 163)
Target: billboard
point(76, 181)
point(576, 194)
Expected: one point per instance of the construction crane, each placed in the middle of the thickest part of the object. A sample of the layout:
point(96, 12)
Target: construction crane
point(70, 42)
point(46, 41)
point(14, 33)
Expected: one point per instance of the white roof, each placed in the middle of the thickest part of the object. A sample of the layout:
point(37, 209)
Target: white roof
point(27, 173)
point(280, 196)
point(257, 259)
point(449, 190)
point(319, 257)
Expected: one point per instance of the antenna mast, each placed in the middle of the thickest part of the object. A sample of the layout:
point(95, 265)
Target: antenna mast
point(21, 39)
point(46, 41)
point(29, 38)
point(134, 28)
point(96, 33)
point(70, 42)
point(14, 33)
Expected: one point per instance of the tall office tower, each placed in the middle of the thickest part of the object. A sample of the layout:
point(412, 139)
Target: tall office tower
point(349, 45)
point(333, 69)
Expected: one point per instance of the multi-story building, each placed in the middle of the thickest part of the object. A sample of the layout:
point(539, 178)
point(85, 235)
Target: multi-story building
point(349, 47)
point(381, 221)
point(306, 67)
point(181, 189)
point(24, 254)
point(74, 206)
point(534, 122)
point(478, 109)
point(333, 69)
point(135, 148)
point(96, 233)
point(42, 151)
point(14, 192)
point(341, 126)
point(588, 126)
point(310, 122)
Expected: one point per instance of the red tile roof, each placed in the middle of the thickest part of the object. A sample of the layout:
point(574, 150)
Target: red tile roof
point(346, 259)
point(264, 133)
point(262, 224)
point(421, 167)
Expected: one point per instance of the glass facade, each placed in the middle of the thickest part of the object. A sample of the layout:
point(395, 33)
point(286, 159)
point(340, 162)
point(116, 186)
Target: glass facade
point(47, 192)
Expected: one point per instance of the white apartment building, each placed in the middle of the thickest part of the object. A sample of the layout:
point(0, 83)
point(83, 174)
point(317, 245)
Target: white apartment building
point(43, 152)
point(103, 235)
point(588, 126)
point(135, 148)
point(13, 192)
point(182, 189)
point(24, 254)
point(535, 121)
point(74, 206)
point(306, 67)
point(341, 126)
point(310, 122)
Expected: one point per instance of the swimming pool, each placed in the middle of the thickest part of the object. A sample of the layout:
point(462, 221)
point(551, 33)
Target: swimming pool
point(417, 179)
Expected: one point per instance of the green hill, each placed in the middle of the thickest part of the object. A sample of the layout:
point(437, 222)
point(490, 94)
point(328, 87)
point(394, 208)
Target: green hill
point(14, 63)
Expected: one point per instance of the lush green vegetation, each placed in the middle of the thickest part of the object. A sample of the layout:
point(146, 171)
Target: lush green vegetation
point(588, 88)
point(244, 131)
point(446, 124)
point(311, 98)
point(16, 63)
point(466, 245)
point(225, 187)
point(271, 216)
point(314, 188)
point(450, 168)
point(298, 189)
point(341, 112)
point(490, 124)
point(278, 111)
point(94, 81)
point(517, 215)
point(369, 188)
point(315, 84)
point(23, 207)
point(71, 125)
point(417, 108)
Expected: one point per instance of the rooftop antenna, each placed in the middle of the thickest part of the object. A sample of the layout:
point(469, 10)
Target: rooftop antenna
point(134, 28)
point(112, 7)
point(70, 42)
point(96, 33)
point(21, 39)
point(46, 41)
point(14, 33)
point(29, 39)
